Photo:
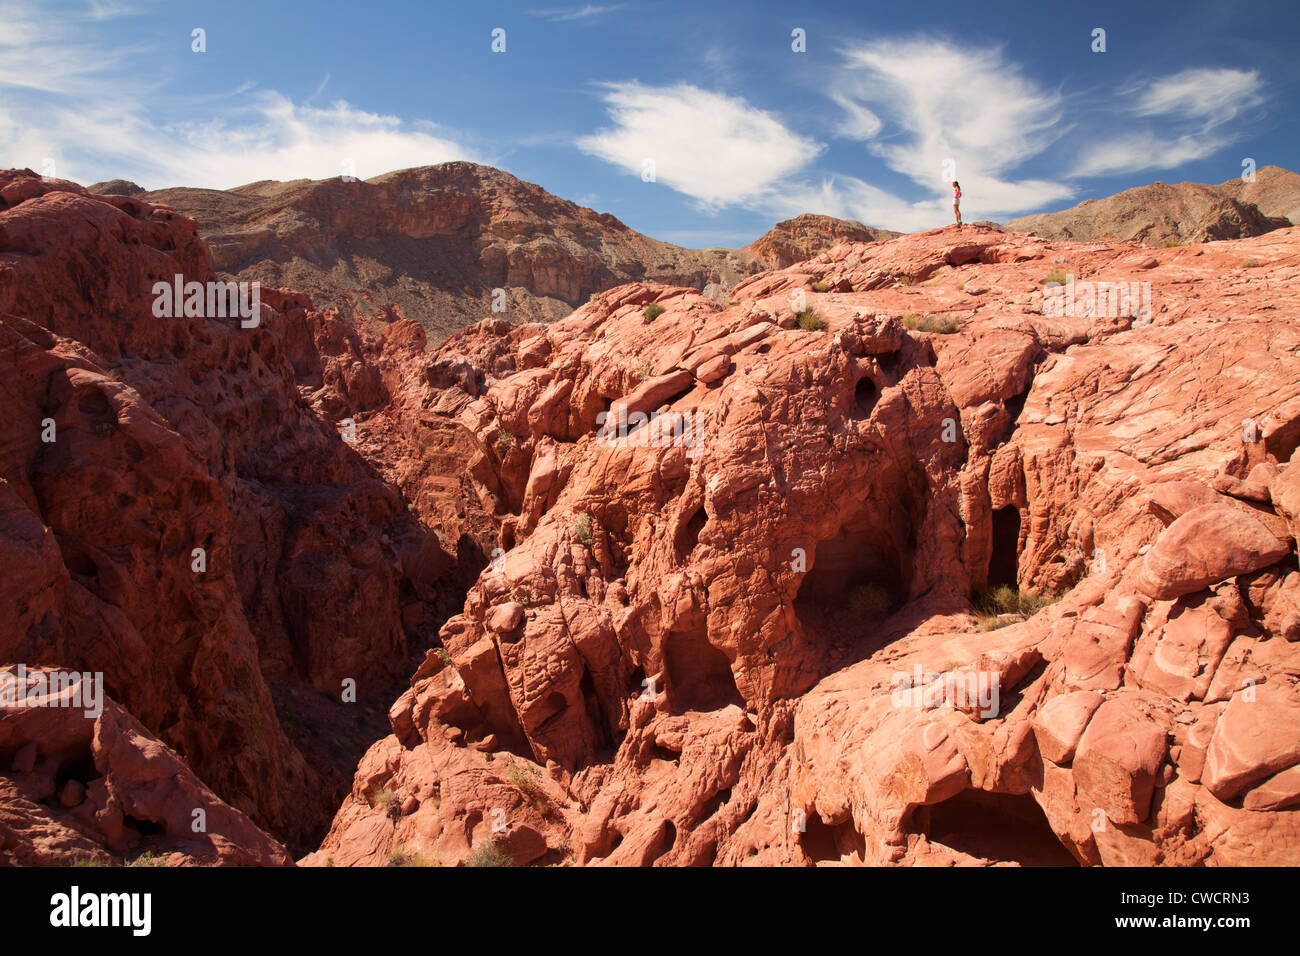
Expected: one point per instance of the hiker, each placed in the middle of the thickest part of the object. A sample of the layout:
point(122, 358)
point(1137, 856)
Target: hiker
point(956, 201)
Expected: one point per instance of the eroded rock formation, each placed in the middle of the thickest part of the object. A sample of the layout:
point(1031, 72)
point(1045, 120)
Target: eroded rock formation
point(701, 651)
point(724, 565)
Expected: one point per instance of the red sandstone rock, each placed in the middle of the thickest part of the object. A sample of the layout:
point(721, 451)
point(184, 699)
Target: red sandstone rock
point(1206, 545)
point(746, 643)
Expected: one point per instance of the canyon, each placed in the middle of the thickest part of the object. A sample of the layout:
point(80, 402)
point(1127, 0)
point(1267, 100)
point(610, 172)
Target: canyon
point(443, 618)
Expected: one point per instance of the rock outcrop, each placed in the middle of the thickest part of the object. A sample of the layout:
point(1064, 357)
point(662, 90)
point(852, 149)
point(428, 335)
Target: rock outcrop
point(879, 558)
point(737, 628)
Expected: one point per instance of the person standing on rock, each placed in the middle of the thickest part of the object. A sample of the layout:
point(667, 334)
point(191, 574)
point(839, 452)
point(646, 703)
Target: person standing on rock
point(956, 201)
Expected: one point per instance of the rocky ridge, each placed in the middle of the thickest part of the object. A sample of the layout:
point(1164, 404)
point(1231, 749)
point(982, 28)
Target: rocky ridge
point(714, 637)
point(434, 243)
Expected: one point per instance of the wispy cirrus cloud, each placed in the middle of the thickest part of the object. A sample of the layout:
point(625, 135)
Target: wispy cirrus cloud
point(585, 12)
point(715, 148)
point(1184, 115)
point(934, 112)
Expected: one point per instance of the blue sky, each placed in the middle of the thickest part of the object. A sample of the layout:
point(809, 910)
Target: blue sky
point(885, 106)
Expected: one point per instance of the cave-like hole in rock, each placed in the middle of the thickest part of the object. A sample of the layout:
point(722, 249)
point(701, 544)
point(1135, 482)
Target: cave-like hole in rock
point(95, 405)
point(689, 534)
point(666, 754)
point(865, 396)
point(1015, 405)
point(1282, 443)
point(889, 361)
point(82, 770)
point(714, 804)
point(1004, 562)
point(827, 843)
point(863, 572)
point(699, 675)
point(636, 681)
point(663, 842)
point(595, 712)
point(143, 827)
point(995, 826)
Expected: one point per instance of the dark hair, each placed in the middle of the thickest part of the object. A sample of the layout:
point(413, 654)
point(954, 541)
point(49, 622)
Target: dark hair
point(957, 184)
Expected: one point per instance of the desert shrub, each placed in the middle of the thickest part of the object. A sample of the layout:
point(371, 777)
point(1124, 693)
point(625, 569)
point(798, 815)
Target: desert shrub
point(1250, 264)
point(489, 854)
point(993, 603)
point(148, 858)
point(505, 441)
point(526, 780)
point(821, 286)
point(869, 601)
point(653, 311)
point(399, 857)
point(1056, 275)
point(810, 321)
point(442, 655)
point(582, 529)
point(943, 325)
point(1171, 243)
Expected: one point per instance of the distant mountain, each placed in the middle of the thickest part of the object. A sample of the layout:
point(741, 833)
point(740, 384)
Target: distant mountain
point(433, 243)
point(1186, 212)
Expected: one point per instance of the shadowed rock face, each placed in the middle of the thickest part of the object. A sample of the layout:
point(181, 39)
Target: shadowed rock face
point(740, 632)
point(1186, 212)
point(179, 510)
point(433, 243)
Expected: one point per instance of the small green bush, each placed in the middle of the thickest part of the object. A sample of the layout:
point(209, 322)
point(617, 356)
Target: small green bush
point(505, 441)
point(993, 603)
point(810, 321)
point(1171, 243)
point(821, 286)
point(1056, 275)
point(527, 780)
point(942, 325)
point(652, 312)
point(489, 854)
point(582, 529)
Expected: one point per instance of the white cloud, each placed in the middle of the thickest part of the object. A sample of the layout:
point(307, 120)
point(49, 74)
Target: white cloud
point(715, 148)
point(584, 12)
point(1209, 96)
point(68, 100)
point(1134, 152)
point(936, 112)
point(1191, 105)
